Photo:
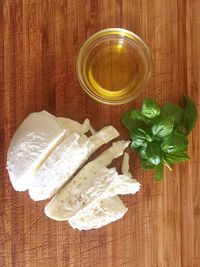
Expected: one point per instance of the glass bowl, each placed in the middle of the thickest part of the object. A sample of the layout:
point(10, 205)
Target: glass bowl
point(113, 66)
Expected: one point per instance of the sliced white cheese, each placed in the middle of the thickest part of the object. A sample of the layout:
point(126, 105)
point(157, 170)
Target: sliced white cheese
point(105, 211)
point(122, 185)
point(84, 188)
point(32, 142)
point(92, 130)
point(98, 214)
point(74, 126)
point(89, 185)
point(125, 165)
point(115, 151)
point(65, 160)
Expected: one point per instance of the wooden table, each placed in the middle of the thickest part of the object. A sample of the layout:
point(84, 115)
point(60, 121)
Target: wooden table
point(39, 43)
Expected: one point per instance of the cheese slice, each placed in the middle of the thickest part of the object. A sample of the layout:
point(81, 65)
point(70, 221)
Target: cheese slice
point(98, 214)
point(32, 142)
point(122, 185)
point(74, 126)
point(65, 160)
point(105, 211)
point(125, 165)
point(88, 186)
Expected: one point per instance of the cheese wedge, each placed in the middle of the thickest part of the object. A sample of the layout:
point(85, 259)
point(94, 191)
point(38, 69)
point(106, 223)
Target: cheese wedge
point(32, 142)
point(65, 160)
point(98, 214)
point(88, 186)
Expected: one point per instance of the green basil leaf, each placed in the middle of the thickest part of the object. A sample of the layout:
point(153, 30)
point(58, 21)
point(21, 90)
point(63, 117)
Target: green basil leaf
point(149, 136)
point(133, 119)
point(173, 110)
point(176, 157)
point(174, 143)
point(160, 136)
point(142, 152)
point(159, 172)
point(190, 115)
point(180, 130)
point(146, 164)
point(150, 108)
point(153, 153)
point(163, 127)
point(138, 137)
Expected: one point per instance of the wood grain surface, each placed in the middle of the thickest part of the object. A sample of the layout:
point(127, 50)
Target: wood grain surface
point(39, 43)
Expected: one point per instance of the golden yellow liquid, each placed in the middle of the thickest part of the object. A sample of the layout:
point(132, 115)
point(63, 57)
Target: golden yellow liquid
point(114, 70)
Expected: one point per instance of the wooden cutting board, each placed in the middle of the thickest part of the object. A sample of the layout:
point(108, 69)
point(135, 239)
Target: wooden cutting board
point(39, 43)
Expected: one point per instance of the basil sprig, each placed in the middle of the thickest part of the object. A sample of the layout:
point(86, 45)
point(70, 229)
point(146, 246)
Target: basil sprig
point(160, 135)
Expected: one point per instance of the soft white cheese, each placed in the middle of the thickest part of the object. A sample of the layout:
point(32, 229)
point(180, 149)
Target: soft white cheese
point(45, 152)
point(98, 214)
point(89, 185)
point(65, 160)
point(105, 211)
point(74, 126)
point(125, 165)
point(82, 190)
point(32, 142)
point(122, 185)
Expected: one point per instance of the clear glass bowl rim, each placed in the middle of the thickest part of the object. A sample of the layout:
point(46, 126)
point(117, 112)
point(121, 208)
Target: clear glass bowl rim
point(95, 37)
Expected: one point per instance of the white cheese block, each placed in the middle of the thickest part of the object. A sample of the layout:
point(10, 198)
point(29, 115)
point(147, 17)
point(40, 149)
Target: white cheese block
point(65, 160)
point(89, 185)
point(32, 142)
point(98, 214)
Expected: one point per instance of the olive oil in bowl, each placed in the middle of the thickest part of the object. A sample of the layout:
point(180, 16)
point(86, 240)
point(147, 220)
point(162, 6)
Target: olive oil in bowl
point(113, 66)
